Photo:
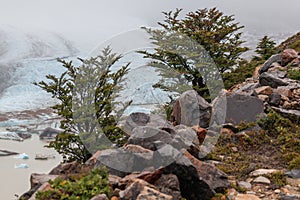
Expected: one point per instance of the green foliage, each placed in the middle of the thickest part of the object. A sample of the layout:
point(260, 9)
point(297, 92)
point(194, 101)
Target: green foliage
point(277, 178)
point(243, 71)
point(292, 42)
point(96, 182)
point(266, 48)
point(86, 96)
point(212, 38)
point(294, 74)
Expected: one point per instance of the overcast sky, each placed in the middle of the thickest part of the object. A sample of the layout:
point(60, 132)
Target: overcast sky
point(88, 22)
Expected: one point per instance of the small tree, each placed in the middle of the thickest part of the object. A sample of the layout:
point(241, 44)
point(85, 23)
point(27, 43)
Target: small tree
point(266, 48)
point(87, 95)
point(211, 29)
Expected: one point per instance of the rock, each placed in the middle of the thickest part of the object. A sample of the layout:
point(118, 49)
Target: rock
point(269, 79)
point(142, 119)
point(65, 168)
point(113, 180)
point(169, 184)
point(140, 189)
point(288, 55)
point(190, 109)
point(245, 185)
point(293, 182)
point(49, 133)
point(198, 180)
point(100, 197)
point(269, 62)
point(294, 173)
point(42, 188)
point(260, 172)
point(243, 108)
point(246, 197)
point(146, 136)
point(201, 134)
point(262, 180)
point(151, 194)
point(247, 89)
point(293, 115)
point(264, 90)
point(274, 99)
point(121, 163)
point(284, 91)
point(39, 179)
point(264, 98)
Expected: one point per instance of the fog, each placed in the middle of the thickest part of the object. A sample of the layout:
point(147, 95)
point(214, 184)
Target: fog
point(88, 23)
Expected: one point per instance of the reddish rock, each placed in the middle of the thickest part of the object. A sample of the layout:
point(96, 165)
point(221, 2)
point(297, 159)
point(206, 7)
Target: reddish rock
point(284, 91)
point(264, 90)
point(201, 133)
point(169, 184)
point(288, 55)
point(66, 168)
point(140, 189)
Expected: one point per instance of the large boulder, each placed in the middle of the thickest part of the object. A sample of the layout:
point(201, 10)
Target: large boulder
point(122, 162)
point(288, 55)
point(138, 119)
point(269, 62)
point(191, 109)
point(243, 108)
point(146, 137)
point(198, 180)
point(272, 80)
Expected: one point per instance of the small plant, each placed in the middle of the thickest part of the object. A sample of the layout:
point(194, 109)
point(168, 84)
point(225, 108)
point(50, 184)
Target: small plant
point(294, 74)
point(277, 179)
point(96, 182)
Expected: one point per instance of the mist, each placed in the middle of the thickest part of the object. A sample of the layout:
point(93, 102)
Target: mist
point(88, 23)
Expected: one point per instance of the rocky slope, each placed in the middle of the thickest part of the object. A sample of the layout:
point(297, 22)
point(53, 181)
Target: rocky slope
point(168, 160)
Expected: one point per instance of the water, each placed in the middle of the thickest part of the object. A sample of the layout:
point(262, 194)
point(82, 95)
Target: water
point(17, 181)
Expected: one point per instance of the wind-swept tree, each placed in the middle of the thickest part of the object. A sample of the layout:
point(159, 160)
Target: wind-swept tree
point(216, 33)
point(87, 103)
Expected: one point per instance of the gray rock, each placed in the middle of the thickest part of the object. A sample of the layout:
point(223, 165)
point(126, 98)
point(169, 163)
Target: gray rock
point(294, 173)
point(269, 62)
point(274, 99)
point(121, 163)
point(269, 79)
point(243, 108)
point(293, 115)
point(245, 185)
point(190, 109)
point(259, 172)
point(40, 179)
point(100, 197)
point(262, 180)
point(145, 136)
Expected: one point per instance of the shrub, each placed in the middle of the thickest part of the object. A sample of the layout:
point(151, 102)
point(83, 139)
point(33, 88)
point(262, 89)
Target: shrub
point(96, 182)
